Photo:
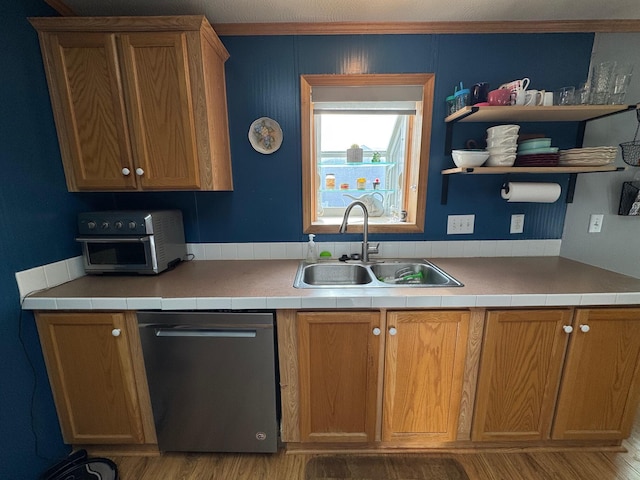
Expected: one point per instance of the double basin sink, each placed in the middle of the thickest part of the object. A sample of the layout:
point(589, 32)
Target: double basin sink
point(383, 273)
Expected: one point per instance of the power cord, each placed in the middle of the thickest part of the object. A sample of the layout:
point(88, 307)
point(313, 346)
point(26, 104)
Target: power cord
point(33, 390)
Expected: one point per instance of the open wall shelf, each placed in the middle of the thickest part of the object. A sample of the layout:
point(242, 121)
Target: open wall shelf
point(517, 114)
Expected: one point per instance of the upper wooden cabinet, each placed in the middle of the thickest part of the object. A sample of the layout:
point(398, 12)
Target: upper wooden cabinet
point(139, 102)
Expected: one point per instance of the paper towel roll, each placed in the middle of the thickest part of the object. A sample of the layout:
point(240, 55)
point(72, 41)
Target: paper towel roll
point(531, 192)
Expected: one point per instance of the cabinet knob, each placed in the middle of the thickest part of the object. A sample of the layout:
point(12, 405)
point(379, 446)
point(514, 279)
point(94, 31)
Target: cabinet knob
point(377, 331)
point(567, 329)
point(139, 172)
point(115, 332)
point(392, 331)
point(585, 328)
point(126, 171)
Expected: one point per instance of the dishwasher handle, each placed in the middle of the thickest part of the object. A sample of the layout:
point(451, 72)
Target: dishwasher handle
point(204, 332)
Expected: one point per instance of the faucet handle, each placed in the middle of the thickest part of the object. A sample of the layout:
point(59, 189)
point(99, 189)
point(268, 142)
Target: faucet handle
point(373, 248)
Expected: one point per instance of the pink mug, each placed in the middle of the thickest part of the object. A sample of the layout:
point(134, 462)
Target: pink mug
point(501, 96)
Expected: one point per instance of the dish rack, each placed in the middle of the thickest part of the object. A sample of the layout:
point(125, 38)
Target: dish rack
point(631, 150)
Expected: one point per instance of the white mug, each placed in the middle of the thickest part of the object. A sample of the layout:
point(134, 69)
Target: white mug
point(548, 99)
point(517, 84)
point(534, 98)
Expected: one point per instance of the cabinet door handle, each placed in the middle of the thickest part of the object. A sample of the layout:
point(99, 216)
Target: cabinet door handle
point(392, 331)
point(139, 172)
point(567, 329)
point(377, 331)
point(585, 328)
point(115, 332)
point(126, 171)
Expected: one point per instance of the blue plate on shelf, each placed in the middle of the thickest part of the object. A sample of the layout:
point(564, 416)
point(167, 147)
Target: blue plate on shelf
point(538, 151)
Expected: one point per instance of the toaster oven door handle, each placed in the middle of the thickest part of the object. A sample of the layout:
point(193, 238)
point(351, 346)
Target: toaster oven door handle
point(113, 239)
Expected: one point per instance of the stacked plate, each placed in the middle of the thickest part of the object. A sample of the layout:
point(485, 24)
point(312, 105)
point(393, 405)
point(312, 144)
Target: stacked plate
point(537, 152)
point(502, 143)
point(588, 156)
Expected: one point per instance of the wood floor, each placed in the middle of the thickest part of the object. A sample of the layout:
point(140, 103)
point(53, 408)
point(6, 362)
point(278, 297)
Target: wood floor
point(479, 466)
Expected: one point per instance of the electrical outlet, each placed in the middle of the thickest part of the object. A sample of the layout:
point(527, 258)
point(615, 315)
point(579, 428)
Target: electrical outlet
point(595, 223)
point(460, 224)
point(517, 223)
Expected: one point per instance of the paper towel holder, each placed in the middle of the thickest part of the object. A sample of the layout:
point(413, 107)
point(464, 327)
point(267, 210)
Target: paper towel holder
point(531, 192)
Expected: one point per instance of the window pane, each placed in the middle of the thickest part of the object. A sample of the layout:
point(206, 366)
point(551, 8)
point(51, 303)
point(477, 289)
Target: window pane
point(378, 176)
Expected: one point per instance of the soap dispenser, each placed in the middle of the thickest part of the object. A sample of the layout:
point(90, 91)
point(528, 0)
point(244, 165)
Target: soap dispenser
point(312, 253)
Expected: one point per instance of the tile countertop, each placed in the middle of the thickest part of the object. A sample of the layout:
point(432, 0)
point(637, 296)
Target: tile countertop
point(268, 284)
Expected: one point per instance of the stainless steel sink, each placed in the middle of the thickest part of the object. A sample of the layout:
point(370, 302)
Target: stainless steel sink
point(331, 274)
point(384, 273)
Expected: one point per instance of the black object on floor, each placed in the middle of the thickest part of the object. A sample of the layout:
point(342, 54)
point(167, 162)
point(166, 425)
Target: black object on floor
point(79, 466)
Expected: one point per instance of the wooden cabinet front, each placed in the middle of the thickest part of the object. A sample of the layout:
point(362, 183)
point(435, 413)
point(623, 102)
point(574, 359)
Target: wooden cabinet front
point(88, 103)
point(92, 369)
point(338, 368)
point(161, 110)
point(601, 385)
point(424, 361)
point(520, 368)
point(139, 102)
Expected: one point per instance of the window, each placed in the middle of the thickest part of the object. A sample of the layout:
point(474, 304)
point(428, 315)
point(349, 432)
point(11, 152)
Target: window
point(366, 137)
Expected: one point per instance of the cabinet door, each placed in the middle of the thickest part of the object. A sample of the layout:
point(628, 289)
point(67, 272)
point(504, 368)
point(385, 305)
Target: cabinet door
point(338, 356)
point(92, 377)
point(600, 387)
point(88, 104)
point(520, 369)
point(161, 114)
point(424, 363)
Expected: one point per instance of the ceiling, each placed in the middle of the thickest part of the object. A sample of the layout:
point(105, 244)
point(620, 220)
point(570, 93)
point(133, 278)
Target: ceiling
point(322, 11)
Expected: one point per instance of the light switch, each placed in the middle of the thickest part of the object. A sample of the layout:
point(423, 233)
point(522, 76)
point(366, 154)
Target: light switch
point(460, 224)
point(595, 223)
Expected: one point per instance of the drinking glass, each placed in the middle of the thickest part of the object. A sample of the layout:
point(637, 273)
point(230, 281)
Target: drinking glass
point(601, 76)
point(564, 96)
point(620, 83)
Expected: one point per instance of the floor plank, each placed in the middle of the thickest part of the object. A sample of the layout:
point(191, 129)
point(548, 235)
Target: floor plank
point(567, 465)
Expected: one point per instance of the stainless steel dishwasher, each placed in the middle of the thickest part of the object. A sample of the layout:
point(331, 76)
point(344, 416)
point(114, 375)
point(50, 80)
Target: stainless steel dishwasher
point(212, 380)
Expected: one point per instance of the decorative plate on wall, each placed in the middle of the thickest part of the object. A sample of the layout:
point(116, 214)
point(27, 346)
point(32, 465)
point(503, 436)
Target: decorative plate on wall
point(265, 135)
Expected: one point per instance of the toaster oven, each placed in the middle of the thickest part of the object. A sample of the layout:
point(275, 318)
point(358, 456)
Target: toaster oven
point(137, 241)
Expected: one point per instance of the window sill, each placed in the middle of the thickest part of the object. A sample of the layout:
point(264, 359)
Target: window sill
point(383, 224)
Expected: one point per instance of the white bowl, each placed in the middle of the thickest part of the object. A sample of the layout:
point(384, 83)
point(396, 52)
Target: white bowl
point(502, 130)
point(501, 160)
point(469, 158)
point(499, 140)
point(501, 150)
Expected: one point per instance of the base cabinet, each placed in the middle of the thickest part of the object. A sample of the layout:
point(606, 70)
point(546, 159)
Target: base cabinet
point(343, 356)
point(338, 365)
point(423, 372)
point(600, 389)
point(558, 374)
point(97, 377)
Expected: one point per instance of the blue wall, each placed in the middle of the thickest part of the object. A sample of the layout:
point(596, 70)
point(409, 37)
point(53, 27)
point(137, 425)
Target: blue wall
point(263, 80)
point(37, 216)
point(37, 212)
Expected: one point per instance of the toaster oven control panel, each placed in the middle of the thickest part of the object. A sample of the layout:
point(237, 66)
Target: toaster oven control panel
point(115, 223)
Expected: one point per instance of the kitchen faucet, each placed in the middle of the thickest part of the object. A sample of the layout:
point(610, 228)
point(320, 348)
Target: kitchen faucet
point(366, 249)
